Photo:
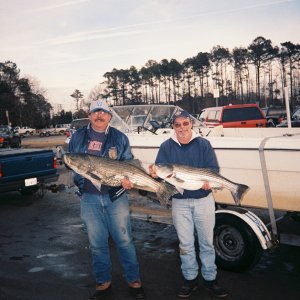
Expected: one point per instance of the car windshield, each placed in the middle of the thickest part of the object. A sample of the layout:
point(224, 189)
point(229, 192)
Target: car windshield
point(78, 123)
point(265, 110)
point(296, 115)
point(130, 118)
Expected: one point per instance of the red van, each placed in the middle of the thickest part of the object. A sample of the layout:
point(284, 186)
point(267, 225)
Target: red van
point(241, 115)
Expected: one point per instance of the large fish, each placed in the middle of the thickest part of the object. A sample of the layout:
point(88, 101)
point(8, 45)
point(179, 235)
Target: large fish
point(191, 178)
point(106, 171)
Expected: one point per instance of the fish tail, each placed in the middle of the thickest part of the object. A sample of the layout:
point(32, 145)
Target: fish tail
point(165, 192)
point(238, 193)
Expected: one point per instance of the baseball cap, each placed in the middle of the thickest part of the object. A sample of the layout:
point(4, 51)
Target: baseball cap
point(100, 105)
point(180, 114)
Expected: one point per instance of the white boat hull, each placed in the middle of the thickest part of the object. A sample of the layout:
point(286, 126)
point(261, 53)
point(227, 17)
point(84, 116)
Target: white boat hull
point(239, 160)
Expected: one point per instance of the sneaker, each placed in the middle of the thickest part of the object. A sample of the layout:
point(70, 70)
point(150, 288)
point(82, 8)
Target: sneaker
point(217, 290)
point(188, 287)
point(136, 290)
point(101, 291)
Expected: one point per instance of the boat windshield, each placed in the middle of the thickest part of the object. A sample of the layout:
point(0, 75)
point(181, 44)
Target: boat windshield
point(150, 117)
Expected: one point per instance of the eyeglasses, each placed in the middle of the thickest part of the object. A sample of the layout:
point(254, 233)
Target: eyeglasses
point(100, 112)
point(177, 125)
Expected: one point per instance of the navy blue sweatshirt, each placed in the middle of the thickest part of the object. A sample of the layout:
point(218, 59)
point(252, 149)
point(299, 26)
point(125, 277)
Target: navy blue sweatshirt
point(197, 153)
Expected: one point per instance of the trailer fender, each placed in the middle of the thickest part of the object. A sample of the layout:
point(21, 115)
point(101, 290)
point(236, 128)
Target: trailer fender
point(254, 222)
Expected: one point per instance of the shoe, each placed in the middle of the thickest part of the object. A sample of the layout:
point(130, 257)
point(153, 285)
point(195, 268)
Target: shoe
point(101, 291)
point(188, 287)
point(136, 290)
point(217, 290)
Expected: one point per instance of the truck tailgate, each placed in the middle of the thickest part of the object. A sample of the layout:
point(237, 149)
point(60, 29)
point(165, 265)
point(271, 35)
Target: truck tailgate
point(26, 163)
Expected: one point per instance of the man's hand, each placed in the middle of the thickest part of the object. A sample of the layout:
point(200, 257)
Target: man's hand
point(206, 186)
point(127, 184)
point(152, 171)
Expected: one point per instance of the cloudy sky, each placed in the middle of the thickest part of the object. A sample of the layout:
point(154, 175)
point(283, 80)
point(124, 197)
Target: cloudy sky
point(70, 44)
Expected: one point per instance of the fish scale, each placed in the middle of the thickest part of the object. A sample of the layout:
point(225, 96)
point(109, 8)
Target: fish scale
point(135, 177)
point(191, 178)
point(106, 171)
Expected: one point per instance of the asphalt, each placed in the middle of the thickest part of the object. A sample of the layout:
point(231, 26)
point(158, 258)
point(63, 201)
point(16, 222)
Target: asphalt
point(44, 254)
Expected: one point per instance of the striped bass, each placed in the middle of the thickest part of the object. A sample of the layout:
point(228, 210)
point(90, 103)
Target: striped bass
point(191, 178)
point(106, 171)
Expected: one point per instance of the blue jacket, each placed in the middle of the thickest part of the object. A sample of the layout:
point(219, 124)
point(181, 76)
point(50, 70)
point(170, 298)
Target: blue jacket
point(197, 153)
point(114, 138)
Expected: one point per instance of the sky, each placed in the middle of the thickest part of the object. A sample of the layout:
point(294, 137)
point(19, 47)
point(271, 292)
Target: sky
point(70, 44)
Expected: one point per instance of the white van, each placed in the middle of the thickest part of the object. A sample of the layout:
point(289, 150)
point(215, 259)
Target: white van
point(61, 128)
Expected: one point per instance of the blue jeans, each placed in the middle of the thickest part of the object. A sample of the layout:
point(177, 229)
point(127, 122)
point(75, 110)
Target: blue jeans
point(189, 214)
point(102, 218)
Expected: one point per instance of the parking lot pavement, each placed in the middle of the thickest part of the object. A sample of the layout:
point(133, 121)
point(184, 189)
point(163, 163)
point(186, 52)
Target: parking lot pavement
point(44, 254)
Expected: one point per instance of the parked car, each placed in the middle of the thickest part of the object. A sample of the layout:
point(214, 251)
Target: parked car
point(62, 128)
point(59, 129)
point(45, 132)
point(25, 130)
point(295, 119)
point(9, 138)
point(242, 115)
point(75, 125)
point(274, 115)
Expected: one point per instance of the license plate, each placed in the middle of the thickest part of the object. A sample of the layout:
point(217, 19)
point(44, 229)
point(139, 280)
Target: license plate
point(30, 181)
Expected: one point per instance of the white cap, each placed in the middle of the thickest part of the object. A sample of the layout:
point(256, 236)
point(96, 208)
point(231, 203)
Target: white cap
point(100, 105)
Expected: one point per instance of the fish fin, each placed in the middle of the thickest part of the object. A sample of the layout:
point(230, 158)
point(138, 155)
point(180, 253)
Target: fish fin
point(95, 180)
point(177, 179)
point(179, 189)
point(135, 162)
point(239, 193)
point(97, 184)
point(165, 192)
point(217, 188)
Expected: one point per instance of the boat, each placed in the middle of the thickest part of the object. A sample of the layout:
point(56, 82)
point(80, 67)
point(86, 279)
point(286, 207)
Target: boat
point(245, 159)
point(265, 159)
point(244, 154)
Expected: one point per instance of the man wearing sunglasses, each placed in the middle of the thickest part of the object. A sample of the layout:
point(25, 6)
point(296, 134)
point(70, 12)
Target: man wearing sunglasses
point(192, 209)
point(106, 213)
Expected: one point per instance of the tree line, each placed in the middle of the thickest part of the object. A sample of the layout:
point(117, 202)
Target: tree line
point(258, 73)
point(23, 102)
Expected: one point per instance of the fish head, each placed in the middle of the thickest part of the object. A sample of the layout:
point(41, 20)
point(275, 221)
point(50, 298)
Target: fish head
point(77, 162)
point(163, 170)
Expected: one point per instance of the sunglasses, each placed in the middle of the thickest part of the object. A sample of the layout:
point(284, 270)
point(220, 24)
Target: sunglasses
point(177, 125)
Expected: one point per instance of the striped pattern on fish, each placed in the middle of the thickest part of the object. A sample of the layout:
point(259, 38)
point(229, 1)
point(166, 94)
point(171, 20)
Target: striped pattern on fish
point(101, 170)
point(191, 178)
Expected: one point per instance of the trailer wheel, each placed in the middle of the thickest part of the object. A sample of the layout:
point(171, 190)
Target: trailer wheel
point(237, 247)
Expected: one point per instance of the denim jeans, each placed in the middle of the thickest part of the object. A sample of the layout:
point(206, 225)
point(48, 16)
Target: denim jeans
point(189, 214)
point(102, 218)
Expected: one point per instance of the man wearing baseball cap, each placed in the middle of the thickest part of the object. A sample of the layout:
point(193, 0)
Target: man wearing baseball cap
point(106, 212)
point(100, 105)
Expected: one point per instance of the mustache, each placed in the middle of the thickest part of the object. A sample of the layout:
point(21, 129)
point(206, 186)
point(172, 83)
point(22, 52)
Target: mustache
point(100, 119)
